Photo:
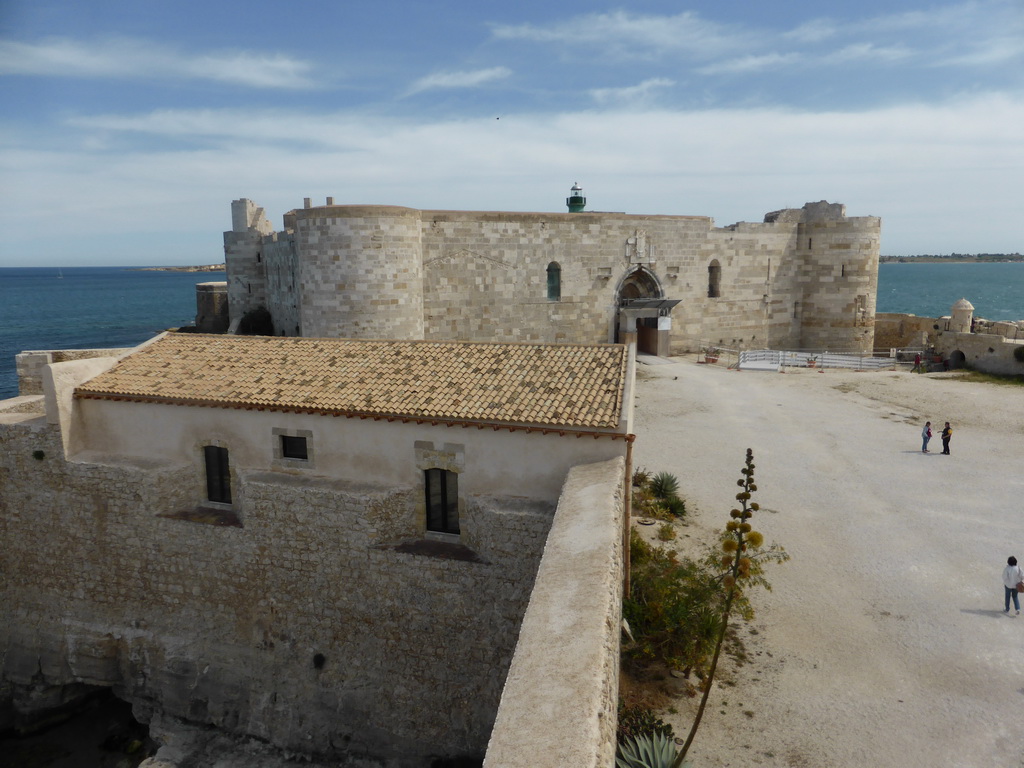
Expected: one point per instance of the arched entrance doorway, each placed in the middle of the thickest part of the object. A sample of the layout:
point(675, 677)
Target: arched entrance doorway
point(639, 284)
point(644, 311)
point(957, 359)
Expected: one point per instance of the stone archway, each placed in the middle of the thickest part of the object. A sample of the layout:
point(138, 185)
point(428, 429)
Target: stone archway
point(639, 284)
point(957, 359)
point(643, 313)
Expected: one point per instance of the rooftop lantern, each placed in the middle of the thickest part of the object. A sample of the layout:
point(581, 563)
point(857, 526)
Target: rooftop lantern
point(576, 201)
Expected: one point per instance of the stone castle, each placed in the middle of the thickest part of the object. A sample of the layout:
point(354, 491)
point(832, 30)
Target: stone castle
point(381, 553)
point(803, 278)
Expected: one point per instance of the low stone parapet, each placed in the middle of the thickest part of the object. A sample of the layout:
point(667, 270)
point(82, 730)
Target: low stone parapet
point(31, 363)
point(558, 706)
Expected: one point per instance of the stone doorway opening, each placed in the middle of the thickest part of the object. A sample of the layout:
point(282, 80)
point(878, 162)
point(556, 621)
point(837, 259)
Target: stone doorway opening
point(644, 314)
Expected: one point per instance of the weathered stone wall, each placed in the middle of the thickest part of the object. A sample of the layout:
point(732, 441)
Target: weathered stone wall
point(838, 280)
point(212, 307)
point(803, 278)
point(30, 364)
point(984, 352)
point(360, 272)
point(308, 626)
point(897, 331)
point(559, 704)
point(243, 258)
point(989, 348)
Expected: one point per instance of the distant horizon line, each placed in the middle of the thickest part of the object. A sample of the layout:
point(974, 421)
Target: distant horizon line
point(211, 267)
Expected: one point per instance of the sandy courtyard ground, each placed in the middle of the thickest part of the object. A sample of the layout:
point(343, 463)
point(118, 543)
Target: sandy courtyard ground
point(883, 642)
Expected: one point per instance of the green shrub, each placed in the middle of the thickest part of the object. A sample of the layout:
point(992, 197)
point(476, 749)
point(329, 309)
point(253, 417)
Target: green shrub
point(639, 721)
point(664, 485)
point(675, 506)
point(673, 608)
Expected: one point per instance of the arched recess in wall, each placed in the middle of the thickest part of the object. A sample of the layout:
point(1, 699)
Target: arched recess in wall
point(639, 284)
point(714, 279)
point(957, 359)
point(554, 281)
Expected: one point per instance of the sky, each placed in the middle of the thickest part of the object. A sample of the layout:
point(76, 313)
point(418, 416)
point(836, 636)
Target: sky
point(127, 128)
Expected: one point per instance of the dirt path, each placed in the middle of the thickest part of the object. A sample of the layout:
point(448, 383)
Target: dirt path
point(884, 642)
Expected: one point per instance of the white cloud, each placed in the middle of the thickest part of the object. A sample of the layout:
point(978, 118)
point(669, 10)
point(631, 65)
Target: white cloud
point(917, 166)
point(814, 31)
point(630, 94)
point(748, 64)
point(995, 51)
point(982, 33)
point(131, 59)
point(866, 52)
point(469, 79)
point(633, 36)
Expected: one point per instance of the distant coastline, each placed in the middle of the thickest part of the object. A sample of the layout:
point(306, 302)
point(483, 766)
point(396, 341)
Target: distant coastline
point(967, 258)
point(202, 268)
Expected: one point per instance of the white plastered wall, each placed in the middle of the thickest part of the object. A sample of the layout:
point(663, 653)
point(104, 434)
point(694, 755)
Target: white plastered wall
point(498, 462)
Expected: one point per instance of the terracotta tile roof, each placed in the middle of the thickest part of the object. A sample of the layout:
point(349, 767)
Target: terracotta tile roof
point(562, 385)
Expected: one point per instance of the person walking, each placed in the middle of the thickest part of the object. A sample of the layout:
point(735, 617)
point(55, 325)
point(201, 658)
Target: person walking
point(926, 435)
point(946, 435)
point(917, 363)
point(1012, 576)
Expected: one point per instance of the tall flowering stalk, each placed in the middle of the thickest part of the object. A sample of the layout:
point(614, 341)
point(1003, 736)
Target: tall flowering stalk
point(741, 561)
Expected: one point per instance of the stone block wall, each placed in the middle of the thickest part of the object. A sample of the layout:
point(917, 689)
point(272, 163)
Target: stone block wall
point(838, 277)
point(212, 307)
point(311, 626)
point(897, 331)
point(984, 352)
point(559, 704)
point(283, 296)
point(360, 272)
point(803, 278)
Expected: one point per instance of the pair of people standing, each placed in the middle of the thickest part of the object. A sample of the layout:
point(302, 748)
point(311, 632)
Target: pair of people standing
point(1013, 577)
point(926, 435)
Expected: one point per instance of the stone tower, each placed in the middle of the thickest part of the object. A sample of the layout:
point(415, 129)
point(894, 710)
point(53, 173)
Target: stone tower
point(837, 278)
point(361, 273)
point(961, 317)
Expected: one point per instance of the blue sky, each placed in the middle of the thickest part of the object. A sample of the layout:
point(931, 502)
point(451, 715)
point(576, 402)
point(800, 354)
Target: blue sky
point(128, 127)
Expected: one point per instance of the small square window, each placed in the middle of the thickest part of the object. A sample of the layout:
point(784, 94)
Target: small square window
point(294, 448)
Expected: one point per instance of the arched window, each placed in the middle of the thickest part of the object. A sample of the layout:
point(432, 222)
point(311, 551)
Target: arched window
point(554, 281)
point(714, 280)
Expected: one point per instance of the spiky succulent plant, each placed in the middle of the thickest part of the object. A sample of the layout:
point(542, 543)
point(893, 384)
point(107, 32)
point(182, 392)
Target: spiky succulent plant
point(649, 750)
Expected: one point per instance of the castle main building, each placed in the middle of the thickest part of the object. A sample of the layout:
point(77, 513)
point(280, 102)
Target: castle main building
point(803, 278)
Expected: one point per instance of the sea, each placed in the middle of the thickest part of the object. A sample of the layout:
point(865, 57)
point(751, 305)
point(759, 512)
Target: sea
point(89, 308)
point(98, 307)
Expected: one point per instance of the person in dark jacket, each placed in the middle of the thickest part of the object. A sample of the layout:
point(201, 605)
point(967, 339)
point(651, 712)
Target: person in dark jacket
point(947, 435)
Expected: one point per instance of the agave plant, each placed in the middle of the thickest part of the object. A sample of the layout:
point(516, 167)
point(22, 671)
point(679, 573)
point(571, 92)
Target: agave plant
point(650, 750)
point(664, 485)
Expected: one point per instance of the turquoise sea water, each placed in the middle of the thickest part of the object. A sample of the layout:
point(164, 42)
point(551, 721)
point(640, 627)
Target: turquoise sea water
point(86, 307)
point(929, 290)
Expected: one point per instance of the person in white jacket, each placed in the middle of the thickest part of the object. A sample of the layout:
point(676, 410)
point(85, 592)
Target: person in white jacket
point(1012, 576)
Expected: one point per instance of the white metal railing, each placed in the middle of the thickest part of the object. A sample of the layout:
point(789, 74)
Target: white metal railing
point(814, 359)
